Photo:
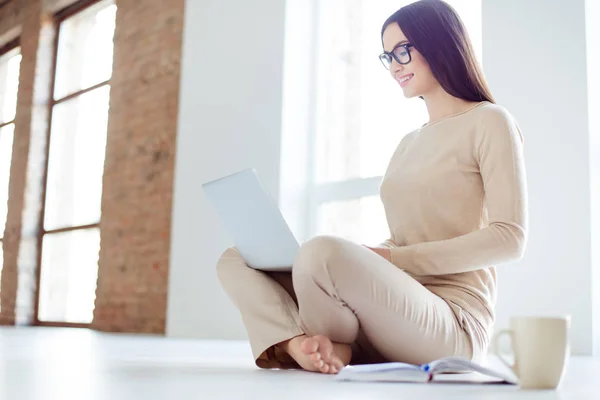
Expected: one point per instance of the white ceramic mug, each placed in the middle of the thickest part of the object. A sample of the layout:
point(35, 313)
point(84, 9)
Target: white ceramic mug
point(541, 348)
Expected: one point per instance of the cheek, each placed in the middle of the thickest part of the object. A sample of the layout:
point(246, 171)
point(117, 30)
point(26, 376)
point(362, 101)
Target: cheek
point(426, 79)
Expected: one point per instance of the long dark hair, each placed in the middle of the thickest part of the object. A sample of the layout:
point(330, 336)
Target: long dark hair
point(438, 33)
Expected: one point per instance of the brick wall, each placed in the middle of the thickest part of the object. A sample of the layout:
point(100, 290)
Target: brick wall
point(138, 174)
point(138, 177)
point(18, 274)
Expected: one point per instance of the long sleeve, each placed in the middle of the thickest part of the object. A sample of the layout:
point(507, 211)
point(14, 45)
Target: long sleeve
point(499, 154)
point(387, 244)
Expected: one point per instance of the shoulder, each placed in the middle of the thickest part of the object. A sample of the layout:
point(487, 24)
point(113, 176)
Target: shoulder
point(406, 139)
point(494, 121)
point(409, 136)
point(490, 113)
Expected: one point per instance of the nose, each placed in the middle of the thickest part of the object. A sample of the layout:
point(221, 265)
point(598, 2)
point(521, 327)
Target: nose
point(395, 67)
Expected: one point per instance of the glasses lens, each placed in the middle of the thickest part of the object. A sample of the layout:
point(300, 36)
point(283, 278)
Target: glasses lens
point(402, 55)
point(386, 60)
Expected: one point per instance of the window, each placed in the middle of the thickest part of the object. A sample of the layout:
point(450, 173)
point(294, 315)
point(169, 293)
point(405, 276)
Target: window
point(70, 238)
point(360, 116)
point(10, 62)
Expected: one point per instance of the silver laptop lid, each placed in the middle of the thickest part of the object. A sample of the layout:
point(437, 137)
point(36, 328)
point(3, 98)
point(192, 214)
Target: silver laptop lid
point(253, 219)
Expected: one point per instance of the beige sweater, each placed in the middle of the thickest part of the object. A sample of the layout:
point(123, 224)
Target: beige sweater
point(455, 198)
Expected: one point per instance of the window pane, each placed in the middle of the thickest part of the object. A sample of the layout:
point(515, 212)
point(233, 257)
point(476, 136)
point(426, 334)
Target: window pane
point(68, 276)
point(361, 113)
point(359, 220)
point(76, 161)
point(9, 84)
point(85, 49)
point(6, 144)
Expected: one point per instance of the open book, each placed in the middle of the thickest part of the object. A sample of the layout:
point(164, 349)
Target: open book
point(448, 369)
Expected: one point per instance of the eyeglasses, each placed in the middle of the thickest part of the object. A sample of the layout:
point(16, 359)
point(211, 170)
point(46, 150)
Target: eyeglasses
point(400, 53)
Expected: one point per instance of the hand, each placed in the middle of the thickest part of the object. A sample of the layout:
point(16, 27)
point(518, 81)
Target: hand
point(383, 252)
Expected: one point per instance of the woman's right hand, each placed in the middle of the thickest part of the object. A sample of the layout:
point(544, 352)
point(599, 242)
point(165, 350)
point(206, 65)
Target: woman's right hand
point(383, 252)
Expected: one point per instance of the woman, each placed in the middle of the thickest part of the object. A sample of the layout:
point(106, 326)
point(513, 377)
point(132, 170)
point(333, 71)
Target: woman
point(455, 200)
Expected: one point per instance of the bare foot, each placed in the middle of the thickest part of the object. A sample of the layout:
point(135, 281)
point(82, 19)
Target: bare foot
point(318, 353)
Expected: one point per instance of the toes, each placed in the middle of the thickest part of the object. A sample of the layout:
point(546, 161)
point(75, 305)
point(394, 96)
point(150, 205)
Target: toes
point(324, 345)
point(337, 363)
point(321, 353)
point(309, 345)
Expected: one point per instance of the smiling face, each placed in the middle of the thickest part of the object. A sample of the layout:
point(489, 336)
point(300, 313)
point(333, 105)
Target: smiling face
point(415, 78)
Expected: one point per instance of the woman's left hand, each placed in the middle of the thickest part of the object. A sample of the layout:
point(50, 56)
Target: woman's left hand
point(383, 252)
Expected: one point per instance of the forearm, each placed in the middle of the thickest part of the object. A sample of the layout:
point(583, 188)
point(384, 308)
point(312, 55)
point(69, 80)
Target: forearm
point(496, 244)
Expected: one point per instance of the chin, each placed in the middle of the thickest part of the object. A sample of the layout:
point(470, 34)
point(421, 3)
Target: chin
point(409, 94)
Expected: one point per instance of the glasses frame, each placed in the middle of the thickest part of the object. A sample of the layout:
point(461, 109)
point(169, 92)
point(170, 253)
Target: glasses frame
point(388, 56)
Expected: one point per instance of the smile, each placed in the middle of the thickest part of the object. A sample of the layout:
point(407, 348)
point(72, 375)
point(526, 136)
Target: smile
point(405, 78)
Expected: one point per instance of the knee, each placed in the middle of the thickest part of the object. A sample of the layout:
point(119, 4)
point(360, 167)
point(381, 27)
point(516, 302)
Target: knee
point(316, 254)
point(229, 262)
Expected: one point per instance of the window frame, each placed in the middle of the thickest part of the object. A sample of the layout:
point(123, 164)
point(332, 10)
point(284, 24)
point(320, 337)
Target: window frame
point(58, 19)
point(7, 48)
point(337, 191)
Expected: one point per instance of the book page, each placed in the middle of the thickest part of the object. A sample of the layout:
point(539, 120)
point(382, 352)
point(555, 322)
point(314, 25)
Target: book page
point(460, 366)
point(386, 372)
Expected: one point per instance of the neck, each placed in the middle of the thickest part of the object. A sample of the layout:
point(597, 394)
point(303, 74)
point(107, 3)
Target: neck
point(441, 104)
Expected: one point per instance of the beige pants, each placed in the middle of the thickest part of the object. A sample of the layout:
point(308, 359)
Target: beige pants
point(350, 294)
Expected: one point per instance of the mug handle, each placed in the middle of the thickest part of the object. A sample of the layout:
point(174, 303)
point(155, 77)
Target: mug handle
point(496, 348)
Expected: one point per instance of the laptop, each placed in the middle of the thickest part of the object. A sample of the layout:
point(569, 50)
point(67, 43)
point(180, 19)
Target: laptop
point(254, 221)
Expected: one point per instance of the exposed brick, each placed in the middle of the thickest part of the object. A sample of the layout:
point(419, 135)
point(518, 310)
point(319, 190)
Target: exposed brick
point(138, 174)
point(17, 292)
point(12, 15)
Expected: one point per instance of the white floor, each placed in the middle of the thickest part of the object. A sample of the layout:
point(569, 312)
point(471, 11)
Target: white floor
point(55, 363)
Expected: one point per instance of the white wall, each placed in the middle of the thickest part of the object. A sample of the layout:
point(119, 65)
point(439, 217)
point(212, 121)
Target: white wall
point(230, 118)
point(535, 60)
point(593, 75)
